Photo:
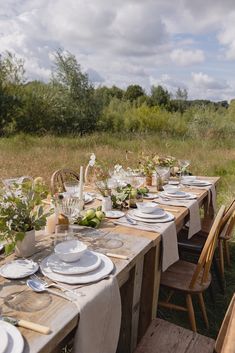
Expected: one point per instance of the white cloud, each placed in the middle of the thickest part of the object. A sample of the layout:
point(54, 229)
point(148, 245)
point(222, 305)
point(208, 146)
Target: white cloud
point(227, 36)
point(203, 81)
point(187, 57)
point(124, 41)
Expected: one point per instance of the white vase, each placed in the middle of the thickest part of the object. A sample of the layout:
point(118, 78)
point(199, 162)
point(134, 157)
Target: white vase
point(106, 203)
point(26, 247)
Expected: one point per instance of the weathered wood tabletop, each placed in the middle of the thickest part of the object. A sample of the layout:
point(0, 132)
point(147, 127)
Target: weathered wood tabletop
point(138, 278)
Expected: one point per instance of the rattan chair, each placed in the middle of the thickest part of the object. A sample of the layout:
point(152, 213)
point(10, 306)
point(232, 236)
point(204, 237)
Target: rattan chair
point(59, 177)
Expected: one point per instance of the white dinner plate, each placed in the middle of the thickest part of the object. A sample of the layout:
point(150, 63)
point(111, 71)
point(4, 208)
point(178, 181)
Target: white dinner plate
point(114, 214)
point(167, 218)
point(150, 196)
point(18, 269)
point(105, 268)
point(88, 262)
point(15, 340)
point(148, 215)
point(197, 183)
point(3, 339)
point(177, 194)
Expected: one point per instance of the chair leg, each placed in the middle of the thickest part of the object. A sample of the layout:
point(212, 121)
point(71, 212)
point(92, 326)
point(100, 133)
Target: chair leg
point(212, 293)
point(191, 312)
point(227, 253)
point(221, 257)
point(203, 309)
point(218, 275)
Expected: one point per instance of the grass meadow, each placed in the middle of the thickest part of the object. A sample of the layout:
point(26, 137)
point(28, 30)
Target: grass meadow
point(41, 156)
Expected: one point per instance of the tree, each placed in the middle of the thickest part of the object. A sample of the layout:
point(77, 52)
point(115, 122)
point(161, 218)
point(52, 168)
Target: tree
point(81, 107)
point(181, 94)
point(160, 96)
point(11, 80)
point(133, 92)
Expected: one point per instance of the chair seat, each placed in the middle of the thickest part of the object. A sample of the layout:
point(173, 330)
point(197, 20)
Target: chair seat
point(179, 275)
point(165, 337)
point(195, 243)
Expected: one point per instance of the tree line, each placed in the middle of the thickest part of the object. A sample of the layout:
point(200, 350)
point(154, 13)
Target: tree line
point(70, 104)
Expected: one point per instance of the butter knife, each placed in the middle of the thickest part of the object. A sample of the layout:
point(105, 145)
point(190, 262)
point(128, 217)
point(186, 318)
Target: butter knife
point(26, 324)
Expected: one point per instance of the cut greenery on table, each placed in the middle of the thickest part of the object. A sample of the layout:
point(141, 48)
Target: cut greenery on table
point(124, 194)
point(21, 210)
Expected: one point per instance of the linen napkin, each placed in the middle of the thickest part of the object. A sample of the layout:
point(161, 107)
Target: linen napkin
point(194, 213)
point(100, 317)
point(170, 253)
point(211, 196)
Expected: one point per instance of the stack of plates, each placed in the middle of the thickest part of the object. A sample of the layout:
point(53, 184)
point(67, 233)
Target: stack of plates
point(91, 267)
point(11, 340)
point(196, 182)
point(153, 217)
point(179, 195)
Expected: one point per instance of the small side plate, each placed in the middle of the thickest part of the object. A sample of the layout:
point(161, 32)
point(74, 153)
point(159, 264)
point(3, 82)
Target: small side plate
point(114, 214)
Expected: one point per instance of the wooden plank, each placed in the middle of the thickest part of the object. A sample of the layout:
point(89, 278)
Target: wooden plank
point(164, 337)
point(150, 289)
point(138, 276)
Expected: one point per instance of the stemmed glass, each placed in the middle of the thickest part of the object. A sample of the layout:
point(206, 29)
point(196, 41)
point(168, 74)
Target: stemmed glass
point(183, 164)
point(69, 207)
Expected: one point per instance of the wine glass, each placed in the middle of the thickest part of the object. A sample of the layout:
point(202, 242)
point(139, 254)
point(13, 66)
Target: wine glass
point(71, 187)
point(183, 164)
point(69, 207)
point(162, 171)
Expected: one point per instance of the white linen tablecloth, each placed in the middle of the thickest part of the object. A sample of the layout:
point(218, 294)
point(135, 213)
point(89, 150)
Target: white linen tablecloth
point(100, 317)
point(170, 253)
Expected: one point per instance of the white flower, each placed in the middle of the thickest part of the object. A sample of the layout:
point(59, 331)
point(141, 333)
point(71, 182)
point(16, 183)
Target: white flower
point(92, 160)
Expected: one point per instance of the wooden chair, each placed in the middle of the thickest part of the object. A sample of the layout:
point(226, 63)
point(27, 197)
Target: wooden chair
point(196, 243)
point(189, 278)
point(164, 337)
point(59, 177)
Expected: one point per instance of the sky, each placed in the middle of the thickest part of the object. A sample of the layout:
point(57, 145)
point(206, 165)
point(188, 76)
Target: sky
point(187, 43)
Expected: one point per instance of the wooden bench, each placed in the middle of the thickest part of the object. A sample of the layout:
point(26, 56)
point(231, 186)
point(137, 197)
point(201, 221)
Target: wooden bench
point(165, 337)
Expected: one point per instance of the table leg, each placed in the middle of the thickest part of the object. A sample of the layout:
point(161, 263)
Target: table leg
point(150, 289)
point(130, 295)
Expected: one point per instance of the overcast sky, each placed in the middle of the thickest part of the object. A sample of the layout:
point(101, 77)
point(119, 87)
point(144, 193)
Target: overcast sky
point(186, 43)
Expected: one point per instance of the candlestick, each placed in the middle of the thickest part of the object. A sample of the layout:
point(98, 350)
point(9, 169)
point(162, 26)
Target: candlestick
point(81, 184)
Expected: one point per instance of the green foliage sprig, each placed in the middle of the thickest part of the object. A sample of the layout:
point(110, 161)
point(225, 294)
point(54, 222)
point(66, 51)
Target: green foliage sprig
point(21, 210)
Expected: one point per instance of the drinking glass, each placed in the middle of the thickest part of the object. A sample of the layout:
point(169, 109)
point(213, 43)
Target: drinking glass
point(72, 186)
point(70, 207)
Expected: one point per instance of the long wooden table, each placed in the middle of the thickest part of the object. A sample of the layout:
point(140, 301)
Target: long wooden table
point(138, 278)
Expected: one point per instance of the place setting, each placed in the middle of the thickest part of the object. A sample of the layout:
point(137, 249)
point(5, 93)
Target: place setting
point(147, 216)
point(191, 180)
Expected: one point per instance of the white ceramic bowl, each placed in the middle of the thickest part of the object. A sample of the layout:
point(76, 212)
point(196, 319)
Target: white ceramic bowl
point(170, 189)
point(147, 207)
point(70, 250)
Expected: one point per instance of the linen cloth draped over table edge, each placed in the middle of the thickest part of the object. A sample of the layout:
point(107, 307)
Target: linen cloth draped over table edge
point(170, 252)
point(100, 317)
point(194, 213)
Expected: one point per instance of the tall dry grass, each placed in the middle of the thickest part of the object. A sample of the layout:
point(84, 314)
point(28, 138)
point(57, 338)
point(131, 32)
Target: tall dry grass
point(31, 155)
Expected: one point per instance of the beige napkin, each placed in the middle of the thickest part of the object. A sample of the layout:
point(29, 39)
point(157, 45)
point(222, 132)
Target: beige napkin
point(100, 317)
point(170, 253)
point(194, 213)
point(211, 196)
